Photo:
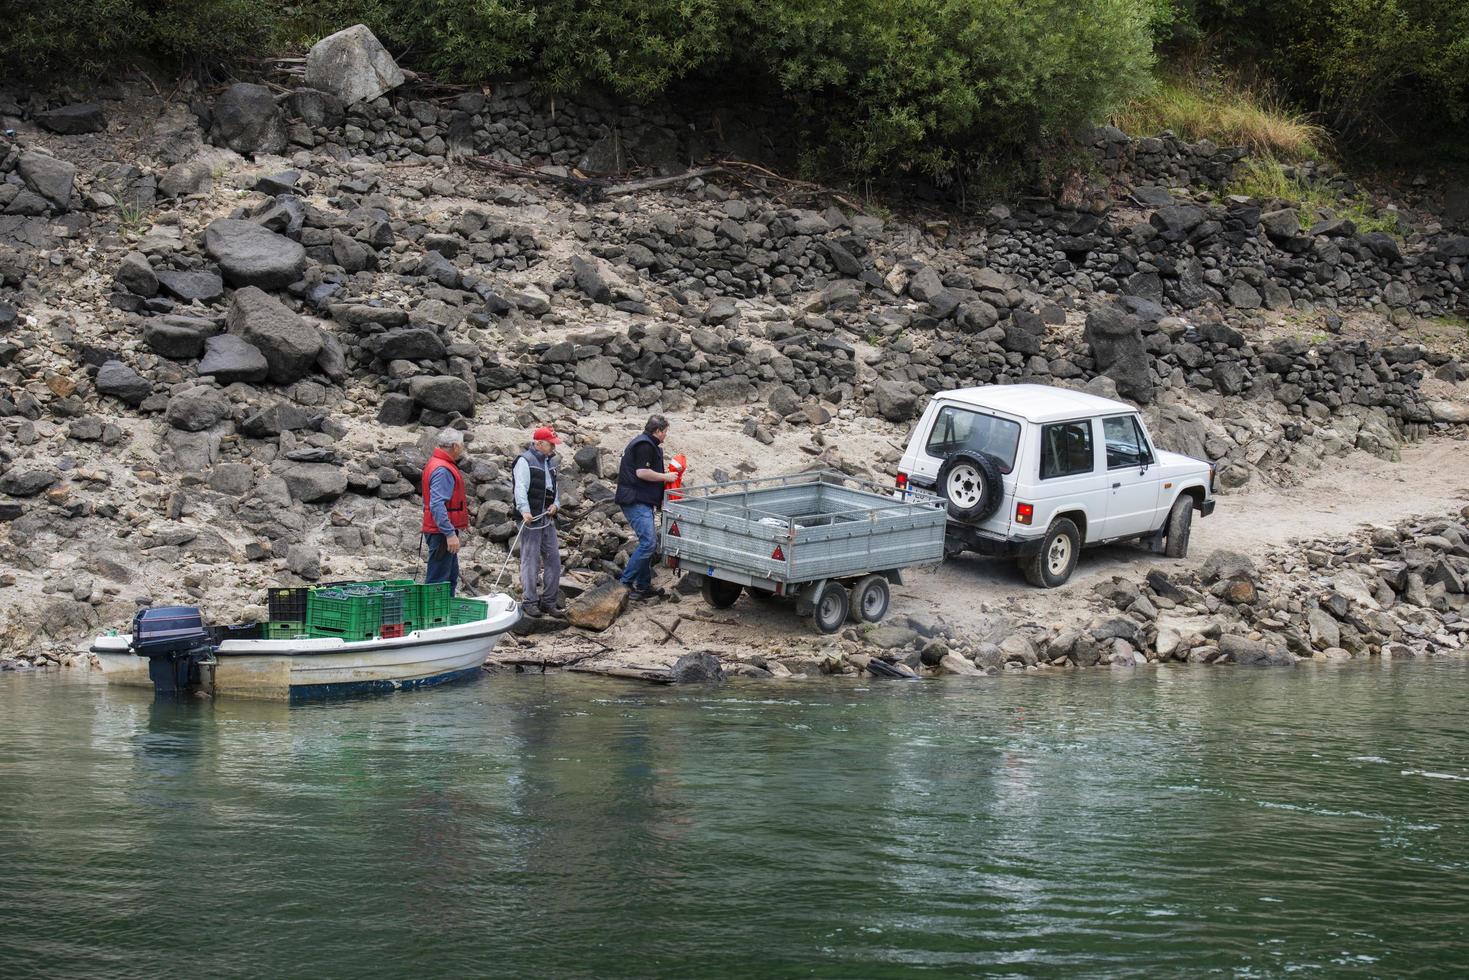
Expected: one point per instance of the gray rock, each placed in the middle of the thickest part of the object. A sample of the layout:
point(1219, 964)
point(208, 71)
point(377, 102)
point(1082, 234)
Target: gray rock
point(1281, 225)
point(891, 637)
point(49, 177)
point(1325, 632)
point(397, 409)
point(250, 255)
point(290, 344)
point(898, 401)
point(725, 391)
point(197, 409)
point(305, 561)
point(136, 276)
point(1116, 342)
point(589, 279)
point(178, 338)
point(206, 287)
point(233, 479)
point(246, 119)
point(73, 120)
point(28, 483)
point(123, 383)
point(352, 65)
point(442, 394)
point(315, 482)
point(598, 607)
point(701, 667)
point(1223, 564)
point(228, 359)
point(412, 344)
point(952, 663)
point(784, 400)
point(1252, 653)
point(318, 109)
point(186, 177)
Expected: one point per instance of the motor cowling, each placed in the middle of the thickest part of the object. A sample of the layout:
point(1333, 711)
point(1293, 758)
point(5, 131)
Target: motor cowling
point(175, 641)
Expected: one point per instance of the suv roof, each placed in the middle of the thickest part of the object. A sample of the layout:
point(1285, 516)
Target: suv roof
point(1036, 403)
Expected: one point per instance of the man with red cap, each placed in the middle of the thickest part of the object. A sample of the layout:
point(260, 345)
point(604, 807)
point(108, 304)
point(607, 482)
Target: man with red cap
point(538, 499)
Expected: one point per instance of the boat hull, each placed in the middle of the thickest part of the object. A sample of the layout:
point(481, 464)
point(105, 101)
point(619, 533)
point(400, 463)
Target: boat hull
point(309, 669)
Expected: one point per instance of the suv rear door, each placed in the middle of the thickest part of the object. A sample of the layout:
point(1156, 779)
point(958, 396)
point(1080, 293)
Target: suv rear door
point(951, 427)
point(1133, 475)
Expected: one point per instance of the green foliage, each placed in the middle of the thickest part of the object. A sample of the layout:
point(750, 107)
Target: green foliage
point(1230, 114)
point(1266, 179)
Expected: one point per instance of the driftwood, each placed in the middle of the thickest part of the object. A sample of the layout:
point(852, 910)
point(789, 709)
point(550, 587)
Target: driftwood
point(669, 631)
point(656, 675)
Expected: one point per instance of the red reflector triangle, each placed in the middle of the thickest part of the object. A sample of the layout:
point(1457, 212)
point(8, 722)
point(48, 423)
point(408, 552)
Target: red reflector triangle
point(777, 554)
point(673, 529)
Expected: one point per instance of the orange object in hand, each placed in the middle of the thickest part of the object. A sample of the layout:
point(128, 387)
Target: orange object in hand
point(679, 464)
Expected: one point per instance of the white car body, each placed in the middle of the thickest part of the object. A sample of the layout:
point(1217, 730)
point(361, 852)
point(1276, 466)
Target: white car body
point(1105, 473)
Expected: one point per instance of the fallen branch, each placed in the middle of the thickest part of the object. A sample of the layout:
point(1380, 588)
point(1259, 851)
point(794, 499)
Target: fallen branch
point(655, 675)
point(667, 631)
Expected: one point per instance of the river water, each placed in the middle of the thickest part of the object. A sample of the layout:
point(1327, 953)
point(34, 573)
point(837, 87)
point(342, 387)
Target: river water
point(1310, 821)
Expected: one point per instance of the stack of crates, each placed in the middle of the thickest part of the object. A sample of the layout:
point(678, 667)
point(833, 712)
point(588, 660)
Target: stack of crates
point(287, 613)
point(463, 611)
point(433, 606)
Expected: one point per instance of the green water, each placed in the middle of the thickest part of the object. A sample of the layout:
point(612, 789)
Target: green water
point(1310, 821)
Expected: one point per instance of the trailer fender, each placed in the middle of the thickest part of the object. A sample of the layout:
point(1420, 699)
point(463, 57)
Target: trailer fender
point(806, 601)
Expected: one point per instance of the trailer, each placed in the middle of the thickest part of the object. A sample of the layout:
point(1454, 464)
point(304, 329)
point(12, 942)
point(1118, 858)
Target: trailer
point(831, 542)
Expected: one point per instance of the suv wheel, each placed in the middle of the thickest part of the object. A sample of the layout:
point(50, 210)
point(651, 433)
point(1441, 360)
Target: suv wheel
point(1180, 520)
point(1053, 564)
point(971, 483)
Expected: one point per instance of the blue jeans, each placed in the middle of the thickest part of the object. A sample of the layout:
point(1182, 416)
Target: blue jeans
point(639, 571)
point(442, 566)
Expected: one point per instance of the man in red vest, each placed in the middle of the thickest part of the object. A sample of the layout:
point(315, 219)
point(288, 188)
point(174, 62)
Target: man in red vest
point(445, 510)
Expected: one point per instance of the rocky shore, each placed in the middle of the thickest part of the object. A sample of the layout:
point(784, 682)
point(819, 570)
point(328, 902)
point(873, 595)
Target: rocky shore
point(229, 325)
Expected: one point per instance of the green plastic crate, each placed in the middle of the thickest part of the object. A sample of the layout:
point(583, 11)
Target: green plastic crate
point(334, 612)
point(432, 608)
point(463, 611)
point(284, 630)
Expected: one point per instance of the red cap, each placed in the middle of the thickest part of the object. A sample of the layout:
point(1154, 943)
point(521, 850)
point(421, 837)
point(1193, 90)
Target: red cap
point(545, 433)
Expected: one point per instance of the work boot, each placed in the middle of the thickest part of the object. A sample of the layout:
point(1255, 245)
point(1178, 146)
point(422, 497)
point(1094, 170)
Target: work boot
point(652, 592)
point(555, 608)
point(533, 611)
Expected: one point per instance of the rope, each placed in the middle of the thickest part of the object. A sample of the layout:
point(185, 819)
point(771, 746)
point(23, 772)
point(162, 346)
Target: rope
point(510, 551)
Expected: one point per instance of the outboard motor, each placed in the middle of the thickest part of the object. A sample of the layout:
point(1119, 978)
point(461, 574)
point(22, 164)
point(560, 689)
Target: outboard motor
point(176, 643)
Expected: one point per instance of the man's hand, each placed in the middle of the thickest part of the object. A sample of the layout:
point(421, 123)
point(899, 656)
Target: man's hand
point(525, 517)
point(553, 510)
point(452, 543)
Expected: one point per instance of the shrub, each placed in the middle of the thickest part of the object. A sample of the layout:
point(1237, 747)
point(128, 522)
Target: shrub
point(1227, 113)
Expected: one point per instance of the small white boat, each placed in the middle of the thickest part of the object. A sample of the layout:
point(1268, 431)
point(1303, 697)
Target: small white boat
point(306, 668)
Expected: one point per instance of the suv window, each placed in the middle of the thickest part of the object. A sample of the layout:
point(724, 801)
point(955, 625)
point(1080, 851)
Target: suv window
point(1126, 444)
point(957, 429)
point(1066, 449)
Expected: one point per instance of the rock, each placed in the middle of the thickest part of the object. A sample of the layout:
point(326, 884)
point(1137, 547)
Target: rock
point(185, 178)
point(1252, 653)
point(73, 120)
point(246, 119)
point(397, 409)
point(1116, 342)
point(228, 359)
point(412, 344)
point(442, 394)
point(250, 255)
point(952, 663)
point(49, 177)
point(123, 383)
point(305, 561)
point(1224, 564)
point(234, 479)
point(1281, 225)
point(596, 372)
point(898, 401)
point(178, 338)
point(1241, 591)
point(1443, 410)
point(136, 276)
point(598, 607)
point(318, 109)
point(206, 287)
point(315, 482)
point(891, 637)
point(701, 667)
point(590, 280)
point(352, 65)
point(588, 459)
point(197, 409)
point(725, 391)
point(28, 483)
point(1325, 632)
point(289, 343)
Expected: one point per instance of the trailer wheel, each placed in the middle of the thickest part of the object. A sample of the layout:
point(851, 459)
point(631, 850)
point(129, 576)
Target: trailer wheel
point(831, 607)
point(719, 593)
point(870, 598)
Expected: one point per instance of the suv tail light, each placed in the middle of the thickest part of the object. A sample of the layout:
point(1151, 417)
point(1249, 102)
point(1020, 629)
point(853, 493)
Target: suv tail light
point(1213, 487)
point(1024, 513)
point(902, 481)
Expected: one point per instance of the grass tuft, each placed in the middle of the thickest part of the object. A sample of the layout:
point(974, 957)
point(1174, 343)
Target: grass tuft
point(1226, 113)
point(1266, 179)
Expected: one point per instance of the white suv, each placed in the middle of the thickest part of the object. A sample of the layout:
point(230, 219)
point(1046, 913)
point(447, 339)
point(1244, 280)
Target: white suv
point(1037, 473)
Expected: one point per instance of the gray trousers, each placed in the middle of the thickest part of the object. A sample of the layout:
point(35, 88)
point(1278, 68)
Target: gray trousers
point(540, 564)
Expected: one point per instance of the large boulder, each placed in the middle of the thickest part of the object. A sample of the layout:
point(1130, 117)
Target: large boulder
point(352, 65)
point(135, 275)
point(897, 401)
point(123, 383)
point(197, 409)
point(701, 667)
point(247, 120)
point(28, 483)
point(179, 338)
point(598, 607)
point(49, 177)
point(442, 394)
point(1116, 342)
point(250, 255)
point(313, 482)
point(189, 285)
point(228, 359)
point(412, 344)
point(316, 108)
point(1253, 653)
point(289, 343)
point(73, 120)
point(1223, 564)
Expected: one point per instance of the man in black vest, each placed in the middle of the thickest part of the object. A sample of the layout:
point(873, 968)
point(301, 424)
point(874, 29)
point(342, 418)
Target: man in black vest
point(538, 498)
point(641, 478)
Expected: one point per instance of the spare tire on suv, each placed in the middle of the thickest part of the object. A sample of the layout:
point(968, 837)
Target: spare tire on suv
point(972, 485)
